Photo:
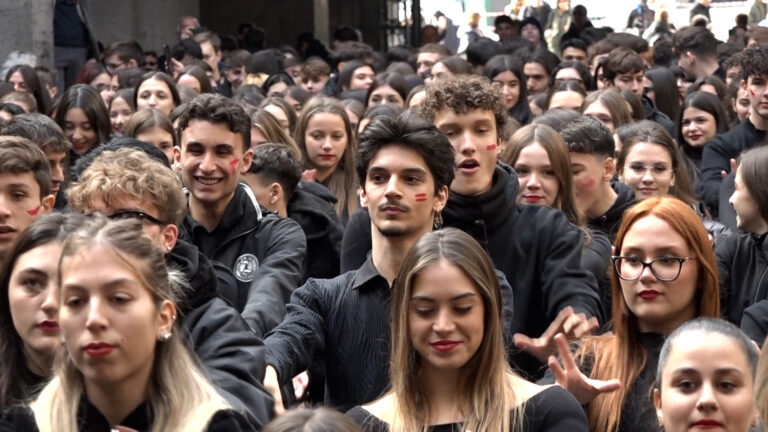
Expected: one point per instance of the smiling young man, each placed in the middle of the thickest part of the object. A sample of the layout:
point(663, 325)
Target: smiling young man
point(750, 133)
point(25, 182)
point(535, 247)
point(225, 221)
point(405, 167)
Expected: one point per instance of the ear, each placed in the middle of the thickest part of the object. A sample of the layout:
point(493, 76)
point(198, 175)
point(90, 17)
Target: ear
point(177, 154)
point(743, 84)
point(275, 192)
point(441, 198)
point(247, 159)
point(47, 203)
point(672, 182)
point(363, 197)
point(691, 57)
point(166, 315)
point(609, 168)
point(657, 405)
point(169, 235)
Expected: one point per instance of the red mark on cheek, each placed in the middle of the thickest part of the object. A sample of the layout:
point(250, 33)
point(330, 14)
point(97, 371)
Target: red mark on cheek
point(233, 164)
point(420, 197)
point(752, 92)
point(34, 211)
point(491, 147)
point(587, 184)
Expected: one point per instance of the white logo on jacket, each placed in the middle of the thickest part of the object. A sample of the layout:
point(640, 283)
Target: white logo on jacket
point(245, 267)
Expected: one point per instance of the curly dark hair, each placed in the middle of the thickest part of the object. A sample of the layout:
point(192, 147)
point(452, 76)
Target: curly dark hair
point(215, 108)
point(465, 93)
point(755, 62)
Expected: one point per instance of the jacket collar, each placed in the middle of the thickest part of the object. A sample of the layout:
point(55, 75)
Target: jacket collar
point(490, 209)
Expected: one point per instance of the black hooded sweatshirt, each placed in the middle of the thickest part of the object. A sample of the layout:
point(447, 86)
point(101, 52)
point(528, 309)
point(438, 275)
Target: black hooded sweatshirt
point(610, 221)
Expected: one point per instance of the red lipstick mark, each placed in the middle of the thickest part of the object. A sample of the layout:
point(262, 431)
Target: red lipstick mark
point(491, 147)
point(34, 211)
point(751, 92)
point(233, 164)
point(420, 197)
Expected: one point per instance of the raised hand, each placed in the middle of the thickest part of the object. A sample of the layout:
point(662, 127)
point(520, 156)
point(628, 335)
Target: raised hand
point(568, 322)
point(272, 385)
point(570, 377)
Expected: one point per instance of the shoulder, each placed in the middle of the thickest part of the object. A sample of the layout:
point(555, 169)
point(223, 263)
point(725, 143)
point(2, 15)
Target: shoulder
point(17, 418)
point(554, 409)
point(374, 416)
point(229, 420)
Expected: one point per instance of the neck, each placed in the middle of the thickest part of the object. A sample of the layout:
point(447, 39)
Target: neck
point(442, 386)
point(116, 400)
point(282, 210)
point(208, 215)
point(761, 229)
point(607, 198)
point(38, 364)
point(760, 122)
point(708, 68)
point(321, 175)
point(665, 327)
point(388, 252)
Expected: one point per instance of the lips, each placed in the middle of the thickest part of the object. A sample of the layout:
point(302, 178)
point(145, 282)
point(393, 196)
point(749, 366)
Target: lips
point(98, 349)
point(207, 181)
point(469, 166)
point(7, 232)
point(648, 294)
point(49, 326)
point(325, 156)
point(707, 424)
point(694, 137)
point(444, 345)
point(392, 209)
point(532, 199)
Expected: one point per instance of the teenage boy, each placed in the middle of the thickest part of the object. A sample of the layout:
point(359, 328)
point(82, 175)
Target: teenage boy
point(25, 182)
point(602, 200)
point(225, 221)
point(274, 176)
point(535, 247)
point(43, 131)
point(428, 55)
point(124, 182)
point(234, 72)
point(625, 70)
point(210, 45)
point(750, 133)
point(696, 48)
point(405, 167)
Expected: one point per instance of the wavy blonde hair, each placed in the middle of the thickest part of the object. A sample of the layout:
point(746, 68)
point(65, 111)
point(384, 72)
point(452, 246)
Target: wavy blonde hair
point(181, 397)
point(486, 378)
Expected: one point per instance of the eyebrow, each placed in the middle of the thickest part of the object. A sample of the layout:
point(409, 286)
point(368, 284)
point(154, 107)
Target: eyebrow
point(114, 283)
point(35, 271)
point(718, 371)
point(413, 171)
point(662, 249)
point(454, 298)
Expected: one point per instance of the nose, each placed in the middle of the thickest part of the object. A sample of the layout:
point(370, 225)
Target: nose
point(647, 177)
point(96, 320)
point(327, 144)
point(531, 84)
point(51, 301)
point(534, 181)
point(207, 164)
point(732, 198)
point(152, 101)
point(5, 208)
point(392, 190)
point(443, 322)
point(466, 144)
point(57, 173)
point(707, 399)
point(77, 134)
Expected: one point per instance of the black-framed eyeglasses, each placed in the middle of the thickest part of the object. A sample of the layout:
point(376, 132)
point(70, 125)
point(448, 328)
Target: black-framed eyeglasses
point(665, 269)
point(135, 214)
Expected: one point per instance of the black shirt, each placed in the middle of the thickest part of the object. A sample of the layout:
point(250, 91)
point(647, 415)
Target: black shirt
point(551, 410)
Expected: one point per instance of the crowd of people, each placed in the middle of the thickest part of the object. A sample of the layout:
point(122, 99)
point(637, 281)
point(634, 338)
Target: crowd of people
point(562, 230)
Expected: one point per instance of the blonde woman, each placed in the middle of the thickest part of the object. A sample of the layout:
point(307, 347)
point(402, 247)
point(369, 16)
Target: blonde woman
point(448, 361)
point(125, 365)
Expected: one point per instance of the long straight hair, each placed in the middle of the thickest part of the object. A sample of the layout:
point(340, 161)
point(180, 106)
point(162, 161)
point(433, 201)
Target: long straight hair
point(180, 396)
point(343, 181)
point(621, 355)
point(486, 379)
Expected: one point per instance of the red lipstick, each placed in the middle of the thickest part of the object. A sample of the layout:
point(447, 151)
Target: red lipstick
point(444, 345)
point(98, 349)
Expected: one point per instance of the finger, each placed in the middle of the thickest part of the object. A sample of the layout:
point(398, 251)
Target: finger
point(723, 174)
point(734, 165)
point(557, 325)
point(586, 327)
point(606, 386)
point(557, 370)
point(572, 323)
point(522, 341)
point(565, 352)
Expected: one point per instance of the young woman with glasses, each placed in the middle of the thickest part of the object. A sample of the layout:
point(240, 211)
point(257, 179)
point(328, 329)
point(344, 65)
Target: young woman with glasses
point(664, 274)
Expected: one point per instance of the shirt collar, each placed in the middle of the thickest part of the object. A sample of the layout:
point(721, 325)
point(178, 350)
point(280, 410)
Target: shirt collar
point(367, 273)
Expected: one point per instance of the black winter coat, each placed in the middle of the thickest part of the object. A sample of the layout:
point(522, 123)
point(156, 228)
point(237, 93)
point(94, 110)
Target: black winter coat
point(610, 221)
point(232, 356)
point(265, 253)
point(742, 266)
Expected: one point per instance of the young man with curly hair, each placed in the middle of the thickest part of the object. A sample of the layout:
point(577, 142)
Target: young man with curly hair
point(747, 134)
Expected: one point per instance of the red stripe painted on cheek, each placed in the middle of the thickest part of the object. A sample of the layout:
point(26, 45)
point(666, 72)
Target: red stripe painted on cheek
point(491, 147)
point(751, 92)
point(233, 164)
point(420, 197)
point(34, 211)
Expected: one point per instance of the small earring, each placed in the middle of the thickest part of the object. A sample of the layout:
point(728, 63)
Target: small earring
point(437, 223)
point(167, 249)
point(165, 336)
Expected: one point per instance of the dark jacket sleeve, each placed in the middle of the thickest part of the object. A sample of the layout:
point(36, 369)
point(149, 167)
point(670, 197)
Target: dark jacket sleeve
point(754, 323)
point(278, 275)
point(233, 357)
point(356, 242)
point(563, 281)
point(292, 344)
point(716, 158)
point(230, 421)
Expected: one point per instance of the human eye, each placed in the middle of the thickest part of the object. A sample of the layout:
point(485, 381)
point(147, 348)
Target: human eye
point(685, 385)
point(668, 261)
point(660, 169)
point(18, 195)
point(120, 299)
point(144, 95)
point(423, 312)
point(462, 310)
point(74, 301)
point(637, 168)
point(685, 122)
point(32, 283)
point(522, 171)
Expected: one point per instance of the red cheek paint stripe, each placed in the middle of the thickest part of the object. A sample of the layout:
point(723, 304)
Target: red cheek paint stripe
point(420, 197)
point(233, 164)
point(491, 147)
point(34, 211)
point(751, 92)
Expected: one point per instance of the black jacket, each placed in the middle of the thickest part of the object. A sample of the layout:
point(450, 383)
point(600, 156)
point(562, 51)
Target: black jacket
point(742, 266)
point(264, 251)
point(232, 356)
point(653, 114)
point(314, 212)
point(343, 323)
point(610, 221)
point(717, 155)
point(754, 323)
